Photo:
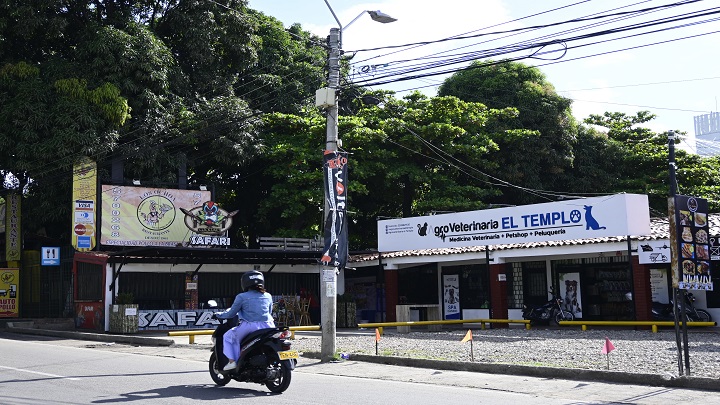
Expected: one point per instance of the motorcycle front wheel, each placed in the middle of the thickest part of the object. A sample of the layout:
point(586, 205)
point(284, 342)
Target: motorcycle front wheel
point(563, 316)
point(218, 377)
point(282, 378)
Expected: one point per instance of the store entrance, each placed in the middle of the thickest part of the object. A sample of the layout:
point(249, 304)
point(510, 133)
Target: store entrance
point(596, 289)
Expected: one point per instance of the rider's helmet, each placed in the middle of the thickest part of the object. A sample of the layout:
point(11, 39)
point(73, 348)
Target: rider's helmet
point(252, 278)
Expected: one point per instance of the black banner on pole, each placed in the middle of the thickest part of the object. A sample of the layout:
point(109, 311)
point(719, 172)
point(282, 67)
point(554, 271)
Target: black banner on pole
point(692, 243)
point(335, 251)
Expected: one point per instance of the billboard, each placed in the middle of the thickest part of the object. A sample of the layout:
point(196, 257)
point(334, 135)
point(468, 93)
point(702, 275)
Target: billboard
point(690, 243)
point(142, 216)
point(614, 215)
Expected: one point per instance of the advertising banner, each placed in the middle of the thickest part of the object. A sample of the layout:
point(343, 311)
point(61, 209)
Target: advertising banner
point(451, 299)
point(654, 252)
point(84, 233)
point(176, 319)
point(690, 243)
point(13, 236)
point(570, 293)
point(9, 289)
point(615, 215)
point(141, 216)
point(335, 251)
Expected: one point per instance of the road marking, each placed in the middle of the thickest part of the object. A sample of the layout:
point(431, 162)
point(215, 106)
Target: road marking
point(40, 373)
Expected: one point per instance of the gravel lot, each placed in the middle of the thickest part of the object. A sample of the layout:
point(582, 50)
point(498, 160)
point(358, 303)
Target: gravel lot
point(635, 351)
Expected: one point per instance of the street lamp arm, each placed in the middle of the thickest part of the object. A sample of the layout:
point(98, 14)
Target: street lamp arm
point(335, 16)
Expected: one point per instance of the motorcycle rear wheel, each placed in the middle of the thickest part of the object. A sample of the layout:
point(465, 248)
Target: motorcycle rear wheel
point(219, 378)
point(282, 382)
point(703, 316)
point(564, 316)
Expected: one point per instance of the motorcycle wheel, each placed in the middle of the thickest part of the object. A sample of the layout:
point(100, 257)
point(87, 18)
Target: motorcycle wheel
point(564, 316)
point(282, 382)
point(703, 316)
point(218, 377)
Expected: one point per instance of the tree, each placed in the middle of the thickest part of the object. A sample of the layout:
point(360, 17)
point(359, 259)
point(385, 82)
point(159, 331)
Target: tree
point(536, 159)
point(410, 157)
point(639, 162)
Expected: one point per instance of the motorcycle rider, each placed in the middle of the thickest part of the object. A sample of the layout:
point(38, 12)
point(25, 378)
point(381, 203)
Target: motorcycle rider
point(253, 307)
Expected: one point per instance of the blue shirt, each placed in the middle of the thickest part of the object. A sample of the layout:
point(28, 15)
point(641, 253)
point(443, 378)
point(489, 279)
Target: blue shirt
point(251, 306)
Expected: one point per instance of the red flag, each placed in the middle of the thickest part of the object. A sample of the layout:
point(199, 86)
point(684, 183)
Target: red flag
point(468, 336)
point(377, 335)
point(607, 347)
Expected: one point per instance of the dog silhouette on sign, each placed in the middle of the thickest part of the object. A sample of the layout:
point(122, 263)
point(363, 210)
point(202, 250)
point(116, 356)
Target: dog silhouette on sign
point(590, 222)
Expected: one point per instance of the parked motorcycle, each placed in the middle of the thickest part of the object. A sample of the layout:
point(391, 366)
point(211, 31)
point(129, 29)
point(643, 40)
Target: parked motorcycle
point(551, 310)
point(664, 312)
point(265, 357)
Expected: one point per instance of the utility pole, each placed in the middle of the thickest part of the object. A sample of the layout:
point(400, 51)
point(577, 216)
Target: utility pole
point(678, 300)
point(328, 278)
point(328, 99)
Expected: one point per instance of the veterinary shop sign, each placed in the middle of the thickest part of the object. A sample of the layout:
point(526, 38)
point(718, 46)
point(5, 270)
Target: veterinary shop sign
point(615, 215)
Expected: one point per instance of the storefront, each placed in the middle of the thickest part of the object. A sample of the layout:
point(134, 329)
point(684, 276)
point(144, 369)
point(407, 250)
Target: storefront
point(170, 286)
point(603, 277)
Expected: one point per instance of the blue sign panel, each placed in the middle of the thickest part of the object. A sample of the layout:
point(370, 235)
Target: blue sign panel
point(50, 256)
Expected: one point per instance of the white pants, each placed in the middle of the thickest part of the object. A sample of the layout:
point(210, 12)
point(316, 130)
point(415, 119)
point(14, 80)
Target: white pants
point(233, 337)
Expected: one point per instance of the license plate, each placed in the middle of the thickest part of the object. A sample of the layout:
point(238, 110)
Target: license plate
point(291, 354)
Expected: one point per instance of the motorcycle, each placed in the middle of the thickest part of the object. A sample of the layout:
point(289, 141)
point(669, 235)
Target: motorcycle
point(265, 357)
point(664, 312)
point(551, 310)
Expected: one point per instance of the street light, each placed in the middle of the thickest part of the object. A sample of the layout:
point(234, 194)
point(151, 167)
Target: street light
point(327, 98)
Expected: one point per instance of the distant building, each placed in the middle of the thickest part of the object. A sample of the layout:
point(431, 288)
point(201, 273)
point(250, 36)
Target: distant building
point(707, 134)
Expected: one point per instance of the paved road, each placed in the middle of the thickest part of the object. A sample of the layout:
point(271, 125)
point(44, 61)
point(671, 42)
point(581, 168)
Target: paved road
point(80, 372)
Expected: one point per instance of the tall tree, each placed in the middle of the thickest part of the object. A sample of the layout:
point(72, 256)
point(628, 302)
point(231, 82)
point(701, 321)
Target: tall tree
point(535, 160)
point(639, 162)
point(410, 157)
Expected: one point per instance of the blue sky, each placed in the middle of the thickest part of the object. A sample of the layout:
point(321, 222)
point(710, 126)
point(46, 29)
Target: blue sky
point(675, 80)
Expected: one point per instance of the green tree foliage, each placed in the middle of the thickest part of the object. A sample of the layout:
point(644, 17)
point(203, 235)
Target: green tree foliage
point(535, 159)
point(635, 159)
point(410, 157)
point(155, 84)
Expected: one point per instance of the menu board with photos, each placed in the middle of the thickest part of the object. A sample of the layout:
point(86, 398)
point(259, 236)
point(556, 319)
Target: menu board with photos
point(693, 243)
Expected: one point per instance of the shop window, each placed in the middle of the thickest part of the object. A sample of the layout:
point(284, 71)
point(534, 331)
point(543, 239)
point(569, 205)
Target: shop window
point(89, 282)
point(473, 282)
point(418, 285)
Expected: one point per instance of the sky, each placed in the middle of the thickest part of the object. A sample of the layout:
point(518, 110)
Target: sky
point(676, 79)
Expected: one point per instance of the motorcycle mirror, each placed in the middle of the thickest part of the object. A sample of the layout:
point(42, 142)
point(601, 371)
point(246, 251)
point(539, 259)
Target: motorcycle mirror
point(212, 303)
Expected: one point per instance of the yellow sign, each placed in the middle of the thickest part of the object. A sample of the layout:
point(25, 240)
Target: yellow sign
point(84, 210)
point(9, 288)
point(141, 216)
point(13, 236)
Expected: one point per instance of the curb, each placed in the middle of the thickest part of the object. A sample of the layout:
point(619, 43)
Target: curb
point(99, 337)
point(653, 380)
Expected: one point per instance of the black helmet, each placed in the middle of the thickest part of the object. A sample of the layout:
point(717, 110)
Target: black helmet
point(252, 278)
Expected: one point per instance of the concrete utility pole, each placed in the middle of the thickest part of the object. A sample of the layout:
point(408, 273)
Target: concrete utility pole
point(328, 98)
point(328, 278)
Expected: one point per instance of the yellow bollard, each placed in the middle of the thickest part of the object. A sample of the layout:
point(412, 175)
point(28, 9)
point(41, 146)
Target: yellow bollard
point(584, 327)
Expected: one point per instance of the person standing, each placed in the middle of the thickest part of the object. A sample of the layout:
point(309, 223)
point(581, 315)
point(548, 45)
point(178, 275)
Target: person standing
point(253, 307)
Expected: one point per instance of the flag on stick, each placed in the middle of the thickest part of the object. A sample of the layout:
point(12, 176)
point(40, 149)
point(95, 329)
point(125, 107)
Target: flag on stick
point(607, 348)
point(377, 339)
point(468, 336)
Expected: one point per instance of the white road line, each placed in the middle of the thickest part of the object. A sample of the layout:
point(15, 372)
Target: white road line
point(38, 372)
